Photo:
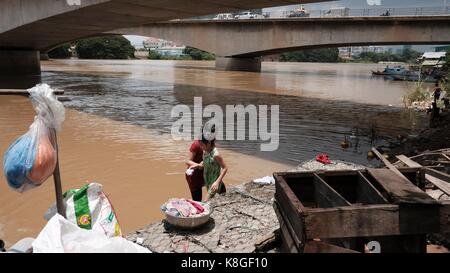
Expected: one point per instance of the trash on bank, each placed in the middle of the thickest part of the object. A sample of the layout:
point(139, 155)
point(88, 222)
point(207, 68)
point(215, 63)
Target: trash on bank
point(266, 180)
point(63, 236)
point(89, 208)
point(32, 158)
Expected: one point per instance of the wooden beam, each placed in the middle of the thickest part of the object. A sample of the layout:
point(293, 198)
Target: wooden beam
point(440, 184)
point(24, 92)
point(438, 174)
point(291, 243)
point(326, 196)
point(445, 218)
point(323, 247)
point(388, 164)
point(371, 220)
point(407, 161)
point(367, 193)
point(400, 190)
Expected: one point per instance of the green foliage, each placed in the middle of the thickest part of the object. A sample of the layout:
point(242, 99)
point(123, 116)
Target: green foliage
point(154, 55)
point(105, 47)
point(407, 56)
point(62, 52)
point(417, 93)
point(327, 55)
point(197, 54)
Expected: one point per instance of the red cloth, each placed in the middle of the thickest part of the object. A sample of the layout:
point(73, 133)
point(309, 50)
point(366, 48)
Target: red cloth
point(196, 181)
point(323, 158)
point(197, 206)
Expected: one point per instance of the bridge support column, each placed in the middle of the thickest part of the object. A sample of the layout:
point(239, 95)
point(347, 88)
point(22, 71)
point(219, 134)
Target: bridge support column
point(238, 64)
point(44, 57)
point(20, 62)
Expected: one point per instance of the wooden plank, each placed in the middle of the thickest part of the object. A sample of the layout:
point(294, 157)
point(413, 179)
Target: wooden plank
point(289, 205)
point(440, 184)
point(388, 164)
point(400, 190)
point(326, 196)
point(371, 220)
point(438, 174)
point(323, 247)
point(367, 193)
point(290, 241)
point(23, 92)
point(445, 218)
point(446, 156)
point(407, 161)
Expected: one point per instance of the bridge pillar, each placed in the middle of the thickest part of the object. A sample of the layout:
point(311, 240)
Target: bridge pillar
point(44, 57)
point(238, 64)
point(20, 62)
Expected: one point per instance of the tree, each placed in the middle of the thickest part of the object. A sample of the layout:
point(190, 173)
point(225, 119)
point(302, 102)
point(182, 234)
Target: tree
point(154, 55)
point(326, 55)
point(197, 54)
point(105, 47)
point(62, 52)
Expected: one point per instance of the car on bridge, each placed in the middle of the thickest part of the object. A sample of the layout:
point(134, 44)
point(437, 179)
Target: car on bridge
point(224, 16)
point(247, 15)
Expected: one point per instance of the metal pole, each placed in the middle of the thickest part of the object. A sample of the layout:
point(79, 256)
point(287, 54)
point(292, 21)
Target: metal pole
point(57, 179)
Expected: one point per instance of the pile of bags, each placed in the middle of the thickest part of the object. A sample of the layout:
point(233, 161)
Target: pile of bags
point(32, 158)
point(185, 208)
point(63, 236)
point(89, 208)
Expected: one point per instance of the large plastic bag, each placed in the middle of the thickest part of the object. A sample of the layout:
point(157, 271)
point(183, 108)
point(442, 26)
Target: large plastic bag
point(90, 208)
point(63, 236)
point(32, 158)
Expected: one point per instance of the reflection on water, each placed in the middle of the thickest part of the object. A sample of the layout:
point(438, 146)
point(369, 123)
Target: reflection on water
point(307, 125)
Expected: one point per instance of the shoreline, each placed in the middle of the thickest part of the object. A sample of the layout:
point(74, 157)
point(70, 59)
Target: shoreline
point(138, 168)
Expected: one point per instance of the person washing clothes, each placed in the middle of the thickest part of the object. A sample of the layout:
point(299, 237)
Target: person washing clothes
point(194, 173)
point(214, 167)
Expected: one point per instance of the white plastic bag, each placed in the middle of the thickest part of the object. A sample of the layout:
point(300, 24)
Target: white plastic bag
point(31, 160)
point(266, 180)
point(63, 236)
point(90, 208)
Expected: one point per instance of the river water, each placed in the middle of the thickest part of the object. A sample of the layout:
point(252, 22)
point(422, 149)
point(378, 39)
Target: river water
point(117, 130)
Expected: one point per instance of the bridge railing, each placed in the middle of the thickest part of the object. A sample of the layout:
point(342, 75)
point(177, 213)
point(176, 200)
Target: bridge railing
point(347, 12)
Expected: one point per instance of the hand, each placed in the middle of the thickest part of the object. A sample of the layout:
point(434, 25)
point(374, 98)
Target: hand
point(215, 186)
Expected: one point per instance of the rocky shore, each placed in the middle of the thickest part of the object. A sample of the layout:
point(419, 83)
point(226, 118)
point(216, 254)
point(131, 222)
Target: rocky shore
point(243, 221)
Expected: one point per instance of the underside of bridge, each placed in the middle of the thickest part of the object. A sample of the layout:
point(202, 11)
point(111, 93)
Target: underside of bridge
point(239, 44)
point(30, 26)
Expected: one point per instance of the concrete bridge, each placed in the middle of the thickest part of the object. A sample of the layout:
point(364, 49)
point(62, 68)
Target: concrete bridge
point(240, 43)
point(30, 26)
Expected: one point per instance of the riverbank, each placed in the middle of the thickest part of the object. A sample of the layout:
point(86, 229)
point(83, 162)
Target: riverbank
point(243, 221)
point(434, 138)
point(139, 168)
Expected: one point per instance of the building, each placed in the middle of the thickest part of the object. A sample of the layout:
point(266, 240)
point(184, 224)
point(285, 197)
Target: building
point(164, 47)
point(355, 51)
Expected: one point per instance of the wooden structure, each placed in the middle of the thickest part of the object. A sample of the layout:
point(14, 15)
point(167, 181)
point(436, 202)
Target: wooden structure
point(345, 211)
point(24, 92)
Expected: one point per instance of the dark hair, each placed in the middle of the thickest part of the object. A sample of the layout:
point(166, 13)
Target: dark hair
point(206, 140)
point(436, 84)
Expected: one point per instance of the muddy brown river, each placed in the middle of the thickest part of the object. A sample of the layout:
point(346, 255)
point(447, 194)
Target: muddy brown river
point(117, 128)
